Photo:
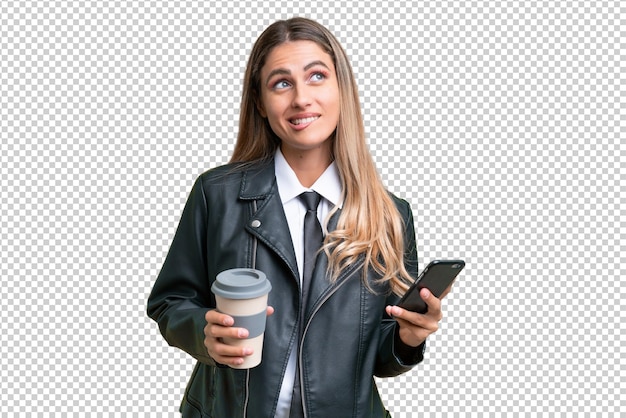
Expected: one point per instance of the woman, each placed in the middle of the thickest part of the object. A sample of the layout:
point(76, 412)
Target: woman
point(300, 130)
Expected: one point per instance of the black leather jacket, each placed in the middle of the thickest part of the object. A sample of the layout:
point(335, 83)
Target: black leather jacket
point(234, 218)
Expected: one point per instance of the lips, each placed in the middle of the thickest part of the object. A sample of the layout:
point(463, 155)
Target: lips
point(303, 121)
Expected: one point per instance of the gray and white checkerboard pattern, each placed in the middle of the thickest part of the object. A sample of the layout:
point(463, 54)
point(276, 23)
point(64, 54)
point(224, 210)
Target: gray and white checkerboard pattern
point(501, 122)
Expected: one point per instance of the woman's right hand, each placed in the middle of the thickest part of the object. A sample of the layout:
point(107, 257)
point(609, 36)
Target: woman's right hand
point(220, 326)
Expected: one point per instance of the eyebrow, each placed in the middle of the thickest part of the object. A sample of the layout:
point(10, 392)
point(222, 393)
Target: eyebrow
point(284, 71)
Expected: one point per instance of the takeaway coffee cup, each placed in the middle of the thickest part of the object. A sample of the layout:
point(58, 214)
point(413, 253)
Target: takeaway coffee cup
point(242, 294)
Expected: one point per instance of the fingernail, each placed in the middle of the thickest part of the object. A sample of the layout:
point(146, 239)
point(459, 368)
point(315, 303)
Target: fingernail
point(243, 333)
point(247, 351)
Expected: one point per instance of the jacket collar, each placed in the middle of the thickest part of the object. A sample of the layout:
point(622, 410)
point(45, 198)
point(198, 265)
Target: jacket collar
point(259, 181)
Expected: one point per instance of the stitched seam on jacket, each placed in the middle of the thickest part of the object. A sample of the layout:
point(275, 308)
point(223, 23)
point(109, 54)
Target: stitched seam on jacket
point(360, 352)
point(253, 265)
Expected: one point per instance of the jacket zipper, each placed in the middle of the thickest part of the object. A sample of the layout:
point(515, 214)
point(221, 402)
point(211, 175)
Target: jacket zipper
point(247, 395)
point(253, 265)
point(319, 305)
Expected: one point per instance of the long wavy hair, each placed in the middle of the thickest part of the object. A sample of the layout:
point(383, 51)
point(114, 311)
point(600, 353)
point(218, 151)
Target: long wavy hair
point(369, 228)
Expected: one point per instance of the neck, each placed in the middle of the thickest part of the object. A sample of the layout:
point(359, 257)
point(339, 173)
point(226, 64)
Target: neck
point(308, 165)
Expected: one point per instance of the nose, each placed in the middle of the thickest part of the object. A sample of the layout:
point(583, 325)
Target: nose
point(301, 96)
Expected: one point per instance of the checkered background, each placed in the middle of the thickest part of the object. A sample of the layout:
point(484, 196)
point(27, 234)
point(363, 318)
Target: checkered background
point(501, 122)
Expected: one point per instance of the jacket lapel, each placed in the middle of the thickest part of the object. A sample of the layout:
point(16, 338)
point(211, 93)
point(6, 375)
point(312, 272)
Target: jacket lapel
point(268, 223)
point(321, 286)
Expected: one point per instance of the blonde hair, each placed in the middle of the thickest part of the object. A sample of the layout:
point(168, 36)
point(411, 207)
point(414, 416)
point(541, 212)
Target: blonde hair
point(369, 224)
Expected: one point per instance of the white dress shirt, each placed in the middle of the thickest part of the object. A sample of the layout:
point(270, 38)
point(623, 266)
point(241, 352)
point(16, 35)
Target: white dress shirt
point(328, 185)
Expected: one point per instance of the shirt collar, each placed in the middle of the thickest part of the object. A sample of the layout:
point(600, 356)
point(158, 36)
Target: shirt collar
point(328, 184)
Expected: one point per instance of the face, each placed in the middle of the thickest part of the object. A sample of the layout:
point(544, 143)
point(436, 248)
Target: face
point(300, 97)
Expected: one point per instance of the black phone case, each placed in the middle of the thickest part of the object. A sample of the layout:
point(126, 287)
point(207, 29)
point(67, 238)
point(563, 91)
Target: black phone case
point(436, 277)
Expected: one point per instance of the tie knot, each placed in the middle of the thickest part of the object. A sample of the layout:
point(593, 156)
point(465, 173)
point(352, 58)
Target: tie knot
point(310, 200)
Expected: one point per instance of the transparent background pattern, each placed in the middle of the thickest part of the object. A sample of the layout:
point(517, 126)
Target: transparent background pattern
point(501, 122)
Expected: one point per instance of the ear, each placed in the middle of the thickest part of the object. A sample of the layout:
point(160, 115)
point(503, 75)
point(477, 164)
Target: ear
point(260, 108)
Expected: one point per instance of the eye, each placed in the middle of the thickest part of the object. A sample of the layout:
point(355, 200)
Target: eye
point(318, 76)
point(279, 85)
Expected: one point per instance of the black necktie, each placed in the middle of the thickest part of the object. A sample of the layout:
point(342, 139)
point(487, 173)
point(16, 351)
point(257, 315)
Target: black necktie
point(313, 239)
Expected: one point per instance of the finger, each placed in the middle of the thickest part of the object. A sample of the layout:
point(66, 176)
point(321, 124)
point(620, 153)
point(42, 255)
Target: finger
point(215, 317)
point(408, 318)
point(220, 326)
point(226, 350)
point(270, 310)
point(424, 323)
point(434, 304)
point(220, 331)
point(400, 313)
point(227, 354)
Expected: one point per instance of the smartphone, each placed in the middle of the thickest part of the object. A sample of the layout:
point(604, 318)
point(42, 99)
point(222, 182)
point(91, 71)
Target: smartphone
point(436, 277)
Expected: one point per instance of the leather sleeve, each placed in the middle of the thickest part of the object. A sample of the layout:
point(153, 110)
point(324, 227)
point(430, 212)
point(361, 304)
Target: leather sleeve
point(395, 357)
point(181, 295)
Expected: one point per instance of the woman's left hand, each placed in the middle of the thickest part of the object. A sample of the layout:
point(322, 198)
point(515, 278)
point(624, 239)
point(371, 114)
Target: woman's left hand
point(416, 327)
